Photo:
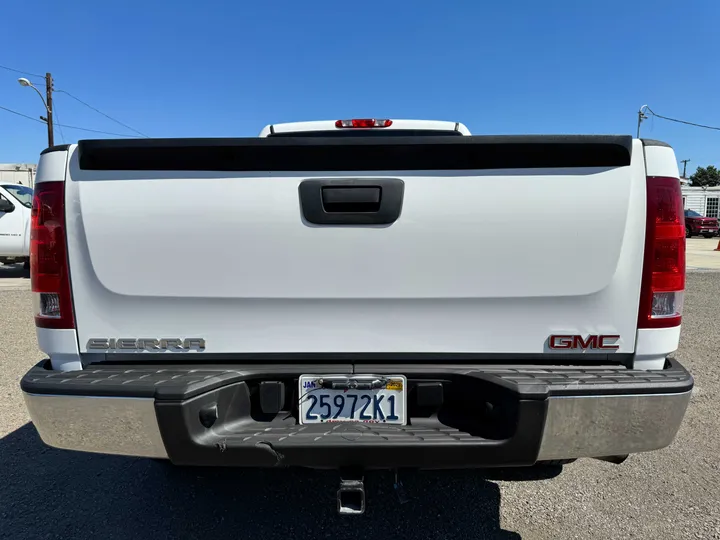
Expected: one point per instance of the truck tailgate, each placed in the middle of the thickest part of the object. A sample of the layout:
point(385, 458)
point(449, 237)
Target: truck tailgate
point(500, 242)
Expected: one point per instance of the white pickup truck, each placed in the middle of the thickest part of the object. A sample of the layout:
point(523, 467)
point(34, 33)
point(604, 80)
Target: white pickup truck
point(369, 305)
point(15, 203)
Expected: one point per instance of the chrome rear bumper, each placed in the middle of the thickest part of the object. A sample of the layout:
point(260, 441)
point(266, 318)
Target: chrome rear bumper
point(556, 421)
point(599, 426)
point(109, 425)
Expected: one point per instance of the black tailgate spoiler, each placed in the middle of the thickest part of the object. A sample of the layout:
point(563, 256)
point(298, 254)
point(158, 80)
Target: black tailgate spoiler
point(380, 153)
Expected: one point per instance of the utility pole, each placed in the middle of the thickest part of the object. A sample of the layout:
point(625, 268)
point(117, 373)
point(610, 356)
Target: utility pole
point(49, 103)
point(684, 162)
point(641, 116)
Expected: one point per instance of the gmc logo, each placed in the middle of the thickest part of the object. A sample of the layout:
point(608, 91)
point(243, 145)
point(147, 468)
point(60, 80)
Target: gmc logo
point(606, 342)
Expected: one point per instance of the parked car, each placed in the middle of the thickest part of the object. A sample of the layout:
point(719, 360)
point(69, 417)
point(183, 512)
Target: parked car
point(15, 204)
point(363, 312)
point(697, 224)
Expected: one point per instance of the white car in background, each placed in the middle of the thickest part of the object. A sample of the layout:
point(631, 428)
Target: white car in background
point(15, 209)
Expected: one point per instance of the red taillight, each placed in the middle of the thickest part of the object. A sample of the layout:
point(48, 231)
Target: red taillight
point(48, 258)
point(363, 123)
point(663, 277)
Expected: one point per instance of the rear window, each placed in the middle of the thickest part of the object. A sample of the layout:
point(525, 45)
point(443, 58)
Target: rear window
point(369, 133)
point(332, 153)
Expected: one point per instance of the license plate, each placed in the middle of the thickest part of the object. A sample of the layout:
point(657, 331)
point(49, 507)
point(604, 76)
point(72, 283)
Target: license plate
point(345, 398)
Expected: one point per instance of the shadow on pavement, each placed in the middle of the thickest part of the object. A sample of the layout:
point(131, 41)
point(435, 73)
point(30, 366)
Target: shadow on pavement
point(49, 493)
point(10, 271)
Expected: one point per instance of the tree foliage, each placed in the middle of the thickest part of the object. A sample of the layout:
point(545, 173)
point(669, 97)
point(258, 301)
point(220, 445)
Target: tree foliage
point(706, 176)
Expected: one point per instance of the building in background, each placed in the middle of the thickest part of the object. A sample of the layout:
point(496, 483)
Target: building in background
point(704, 200)
point(18, 173)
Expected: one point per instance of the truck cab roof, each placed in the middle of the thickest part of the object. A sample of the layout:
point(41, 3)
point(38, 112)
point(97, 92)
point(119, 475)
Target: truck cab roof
point(395, 127)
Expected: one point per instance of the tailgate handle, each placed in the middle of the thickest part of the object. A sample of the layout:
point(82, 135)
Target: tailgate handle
point(351, 201)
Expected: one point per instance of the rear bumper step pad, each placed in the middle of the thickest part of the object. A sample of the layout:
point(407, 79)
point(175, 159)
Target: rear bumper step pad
point(549, 413)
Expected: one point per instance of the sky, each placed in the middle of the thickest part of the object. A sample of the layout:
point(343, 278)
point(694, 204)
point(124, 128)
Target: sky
point(228, 68)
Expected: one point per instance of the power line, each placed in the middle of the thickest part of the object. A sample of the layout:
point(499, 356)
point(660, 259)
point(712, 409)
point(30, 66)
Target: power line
point(648, 109)
point(97, 131)
point(100, 112)
point(59, 126)
point(23, 72)
point(79, 101)
point(21, 114)
point(67, 126)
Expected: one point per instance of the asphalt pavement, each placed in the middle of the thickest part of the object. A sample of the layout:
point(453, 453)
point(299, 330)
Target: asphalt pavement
point(673, 493)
